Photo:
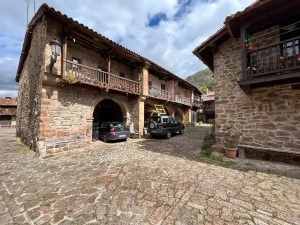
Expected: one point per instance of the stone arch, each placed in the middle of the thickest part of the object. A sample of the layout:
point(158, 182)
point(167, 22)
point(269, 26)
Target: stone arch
point(122, 105)
point(179, 114)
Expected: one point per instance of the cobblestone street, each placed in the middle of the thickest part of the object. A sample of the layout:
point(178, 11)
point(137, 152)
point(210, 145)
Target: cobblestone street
point(138, 182)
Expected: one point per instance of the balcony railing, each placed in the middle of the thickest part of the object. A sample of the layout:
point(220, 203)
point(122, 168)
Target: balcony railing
point(8, 111)
point(168, 96)
point(197, 101)
point(280, 58)
point(77, 73)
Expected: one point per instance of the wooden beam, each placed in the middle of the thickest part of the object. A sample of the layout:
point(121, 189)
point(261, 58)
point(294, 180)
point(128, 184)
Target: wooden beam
point(243, 51)
point(64, 52)
point(108, 68)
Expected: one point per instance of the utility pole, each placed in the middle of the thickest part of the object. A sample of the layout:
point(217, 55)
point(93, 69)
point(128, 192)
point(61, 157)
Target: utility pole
point(27, 9)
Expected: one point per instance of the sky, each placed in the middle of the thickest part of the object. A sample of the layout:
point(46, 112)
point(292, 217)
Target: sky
point(164, 31)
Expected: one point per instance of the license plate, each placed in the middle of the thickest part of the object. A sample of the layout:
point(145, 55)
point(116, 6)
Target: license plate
point(122, 136)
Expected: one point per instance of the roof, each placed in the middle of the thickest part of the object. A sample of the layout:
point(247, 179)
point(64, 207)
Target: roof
point(8, 102)
point(44, 8)
point(221, 33)
point(210, 96)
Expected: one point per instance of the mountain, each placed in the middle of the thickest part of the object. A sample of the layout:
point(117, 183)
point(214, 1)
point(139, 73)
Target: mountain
point(203, 80)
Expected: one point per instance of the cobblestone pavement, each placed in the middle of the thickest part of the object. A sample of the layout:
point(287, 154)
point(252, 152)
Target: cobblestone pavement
point(122, 183)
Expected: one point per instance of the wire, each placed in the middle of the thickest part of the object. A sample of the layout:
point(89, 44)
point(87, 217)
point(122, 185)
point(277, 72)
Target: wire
point(272, 36)
point(274, 30)
point(274, 21)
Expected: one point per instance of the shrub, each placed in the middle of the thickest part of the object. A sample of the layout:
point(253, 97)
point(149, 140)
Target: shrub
point(208, 141)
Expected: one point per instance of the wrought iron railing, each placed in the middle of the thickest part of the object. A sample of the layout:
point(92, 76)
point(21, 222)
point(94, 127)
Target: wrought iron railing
point(77, 73)
point(280, 58)
point(167, 95)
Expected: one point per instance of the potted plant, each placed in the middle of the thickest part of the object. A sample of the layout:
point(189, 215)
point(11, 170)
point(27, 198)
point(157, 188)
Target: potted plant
point(250, 47)
point(231, 142)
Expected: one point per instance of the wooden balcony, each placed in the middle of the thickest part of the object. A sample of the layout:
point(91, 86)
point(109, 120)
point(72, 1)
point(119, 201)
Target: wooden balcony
point(8, 111)
point(77, 73)
point(168, 96)
point(273, 64)
point(197, 101)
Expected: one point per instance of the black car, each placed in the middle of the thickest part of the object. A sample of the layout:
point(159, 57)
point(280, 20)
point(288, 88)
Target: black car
point(164, 126)
point(110, 131)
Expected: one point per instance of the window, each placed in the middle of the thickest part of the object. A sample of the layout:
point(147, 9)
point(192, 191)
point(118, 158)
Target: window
point(149, 84)
point(163, 87)
point(289, 30)
point(172, 120)
point(175, 120)
point(165, 120)
point(75, 62)
point(121, 74)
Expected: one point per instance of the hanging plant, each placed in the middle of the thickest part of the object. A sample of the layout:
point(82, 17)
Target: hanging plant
point(70, 78)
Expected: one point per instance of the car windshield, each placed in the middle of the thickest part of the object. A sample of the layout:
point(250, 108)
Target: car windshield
point(155, 119)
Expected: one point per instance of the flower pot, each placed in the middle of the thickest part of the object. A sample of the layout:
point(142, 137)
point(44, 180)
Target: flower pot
point(230, 152)
point(250, 47)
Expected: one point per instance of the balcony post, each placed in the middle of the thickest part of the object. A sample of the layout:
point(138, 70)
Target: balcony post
point(243, 52)
point(64, 55)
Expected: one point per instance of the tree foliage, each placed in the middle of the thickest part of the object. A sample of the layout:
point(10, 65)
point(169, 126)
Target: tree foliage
point(203, 80)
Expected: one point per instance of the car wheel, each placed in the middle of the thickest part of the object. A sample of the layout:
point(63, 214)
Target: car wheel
point(181, 131)
point(152, 125)
point(153, 135)
point(105, 139)
point(169, 134)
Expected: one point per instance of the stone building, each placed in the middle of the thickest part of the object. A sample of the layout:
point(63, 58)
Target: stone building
point(256, 63)
point(93, 79)
point(8, 109)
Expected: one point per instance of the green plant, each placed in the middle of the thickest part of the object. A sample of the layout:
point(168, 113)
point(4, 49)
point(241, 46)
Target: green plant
point(209, 140)
point(229, 163)
point(70, 78)
point(231, 139)
point(217, 158)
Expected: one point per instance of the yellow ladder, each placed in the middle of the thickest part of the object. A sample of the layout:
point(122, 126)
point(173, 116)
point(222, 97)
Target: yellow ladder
point(160, 109)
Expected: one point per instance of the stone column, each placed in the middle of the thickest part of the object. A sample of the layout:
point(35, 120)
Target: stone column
point(89, 129)
point(145, 79)
point(187, 117)
point(141, 115)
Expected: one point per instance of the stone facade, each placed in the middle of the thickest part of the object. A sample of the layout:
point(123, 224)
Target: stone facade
point(267, 118)
point(30, 83)
point(55, 116)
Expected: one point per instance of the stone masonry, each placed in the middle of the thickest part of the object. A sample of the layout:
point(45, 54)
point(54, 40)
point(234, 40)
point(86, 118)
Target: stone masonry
point(267, 118)
point(54, 116)
point(30, 83)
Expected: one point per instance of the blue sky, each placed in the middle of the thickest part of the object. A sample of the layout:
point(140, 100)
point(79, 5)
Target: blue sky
point(165, 31)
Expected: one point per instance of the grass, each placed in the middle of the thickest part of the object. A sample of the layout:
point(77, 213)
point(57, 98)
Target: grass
point(21, 147)
point(210, 140)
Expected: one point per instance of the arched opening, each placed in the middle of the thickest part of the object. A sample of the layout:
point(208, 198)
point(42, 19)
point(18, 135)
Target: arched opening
point(178, 115)
point(106, 110)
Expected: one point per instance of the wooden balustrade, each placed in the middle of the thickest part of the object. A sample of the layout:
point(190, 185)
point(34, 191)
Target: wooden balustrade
point(77, 73)
point(8, 111)
point(280, 58)
point(168, 96)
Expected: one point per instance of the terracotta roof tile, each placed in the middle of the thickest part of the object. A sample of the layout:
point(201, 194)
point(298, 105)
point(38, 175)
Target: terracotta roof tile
point(58, 13)
point(8, 102)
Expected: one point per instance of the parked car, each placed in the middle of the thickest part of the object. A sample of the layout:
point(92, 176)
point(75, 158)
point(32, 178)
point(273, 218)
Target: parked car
point(110, 131)
point(164, 126)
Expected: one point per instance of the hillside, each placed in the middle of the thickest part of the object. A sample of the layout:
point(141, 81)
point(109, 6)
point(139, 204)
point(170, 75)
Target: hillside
point(202, 79)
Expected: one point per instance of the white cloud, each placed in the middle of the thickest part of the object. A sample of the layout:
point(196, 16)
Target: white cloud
point(169, 44)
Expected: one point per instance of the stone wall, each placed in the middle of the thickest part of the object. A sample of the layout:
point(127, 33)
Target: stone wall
point(67, 113)
point(28, 109)
point(269, 117)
